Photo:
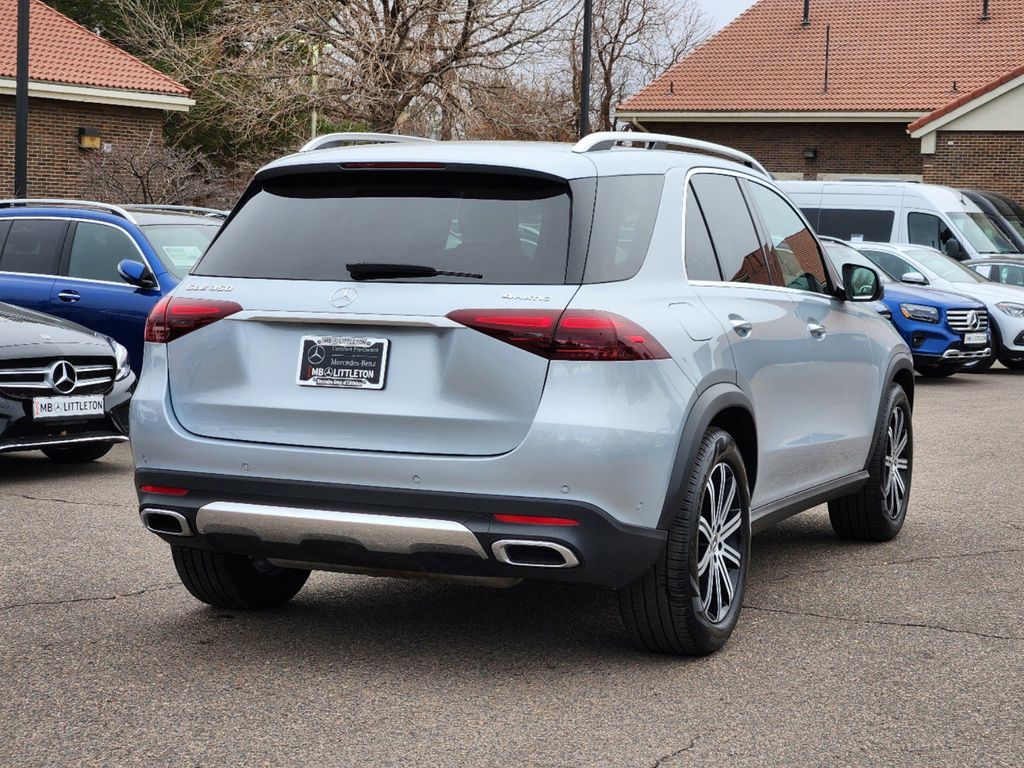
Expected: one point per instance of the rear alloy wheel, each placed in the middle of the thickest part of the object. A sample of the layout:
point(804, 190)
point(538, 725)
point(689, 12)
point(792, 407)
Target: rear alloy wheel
point(690, 600)
point(878, 510)
point(77, 454)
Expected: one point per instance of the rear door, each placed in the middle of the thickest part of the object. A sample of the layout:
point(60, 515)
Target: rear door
point(317, 358)
point(769, 342)
point(29, 259)
point(89, 290)
point(840, 392)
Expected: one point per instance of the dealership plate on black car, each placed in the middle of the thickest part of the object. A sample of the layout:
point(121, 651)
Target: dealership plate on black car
point(80, 407)
point(343, 362)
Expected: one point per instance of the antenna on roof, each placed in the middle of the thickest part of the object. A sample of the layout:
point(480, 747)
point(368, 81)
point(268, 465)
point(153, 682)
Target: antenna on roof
point(985, 15)
point(807, 13)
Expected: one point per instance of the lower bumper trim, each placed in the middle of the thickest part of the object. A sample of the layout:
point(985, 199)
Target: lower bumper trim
point(58, 442)
point(375, 533)
point(961, 354)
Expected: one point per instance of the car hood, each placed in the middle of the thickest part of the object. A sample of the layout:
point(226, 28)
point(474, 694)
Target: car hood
point(20, 327)
point(992, 292)
point(910, 293)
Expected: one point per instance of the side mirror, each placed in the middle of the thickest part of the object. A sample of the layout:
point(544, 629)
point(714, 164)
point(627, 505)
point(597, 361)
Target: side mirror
point(954, 250)
point(136, 273)
point(861, 283)
point(914, 278)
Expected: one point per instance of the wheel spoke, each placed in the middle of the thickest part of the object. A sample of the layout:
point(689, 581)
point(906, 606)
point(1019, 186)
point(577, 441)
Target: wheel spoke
point(702, 566)
point(902, 464)
point(718, 590)
point(726, 502)
point(703, 527)
point(731, 526)
point(730, 553)
point(712, 500)
point(900, 487)
point(723, 574)
point(901, 446)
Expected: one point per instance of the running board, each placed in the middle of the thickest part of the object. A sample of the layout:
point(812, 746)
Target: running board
point(769, 514)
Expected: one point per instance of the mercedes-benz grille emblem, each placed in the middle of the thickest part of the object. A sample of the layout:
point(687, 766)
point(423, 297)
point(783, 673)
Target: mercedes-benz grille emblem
point(343, 297)
point(973, 321)
point(316, 355)
point(62, 377)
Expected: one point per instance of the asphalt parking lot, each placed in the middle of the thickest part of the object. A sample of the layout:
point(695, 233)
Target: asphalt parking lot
point(907, 653)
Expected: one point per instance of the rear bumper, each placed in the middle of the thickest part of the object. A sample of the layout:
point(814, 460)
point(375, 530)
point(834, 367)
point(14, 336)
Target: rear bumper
point(328, 526)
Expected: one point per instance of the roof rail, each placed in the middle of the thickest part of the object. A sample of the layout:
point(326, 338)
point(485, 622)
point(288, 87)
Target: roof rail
point(106, 207)
point(341, 139)
point(213, 213)
point(597, 142)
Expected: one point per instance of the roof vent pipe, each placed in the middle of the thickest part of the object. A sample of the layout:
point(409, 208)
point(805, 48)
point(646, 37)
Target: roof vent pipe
point(807, 12)
point(985, 15)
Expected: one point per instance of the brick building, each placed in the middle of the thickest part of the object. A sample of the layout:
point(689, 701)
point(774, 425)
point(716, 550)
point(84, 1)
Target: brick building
point(83, 91)
point(919, 89)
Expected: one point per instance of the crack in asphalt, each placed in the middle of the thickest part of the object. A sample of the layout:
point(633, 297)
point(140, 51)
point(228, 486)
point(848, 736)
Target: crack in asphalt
point(909, 561)
point(661, 760)
point(64, 501)
point(880, 622)
point(98, 598)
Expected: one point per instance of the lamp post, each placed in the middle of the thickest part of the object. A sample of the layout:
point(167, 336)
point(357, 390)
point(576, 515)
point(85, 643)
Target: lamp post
point(588, 34)
point(21, 104)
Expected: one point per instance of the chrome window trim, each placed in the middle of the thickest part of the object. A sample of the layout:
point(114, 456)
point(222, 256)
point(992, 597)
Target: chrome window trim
point(78, 219)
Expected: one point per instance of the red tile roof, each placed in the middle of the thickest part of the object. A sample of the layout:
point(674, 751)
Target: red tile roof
point(61, 51)
point(886, 55)
point(967, 98)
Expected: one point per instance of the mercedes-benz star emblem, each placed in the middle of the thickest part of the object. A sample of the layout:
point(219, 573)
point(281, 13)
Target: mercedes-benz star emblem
point(343, 297)
point(973, 321)
point(316, 355)
point(62, 377)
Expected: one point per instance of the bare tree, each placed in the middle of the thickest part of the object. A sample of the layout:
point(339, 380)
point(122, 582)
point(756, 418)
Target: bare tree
point(154, 173)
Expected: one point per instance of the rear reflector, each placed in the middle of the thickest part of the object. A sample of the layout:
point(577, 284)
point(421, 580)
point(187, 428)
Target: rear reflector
point(164, 490)
point(174, 316)
point(573, 335)
point(535, 520)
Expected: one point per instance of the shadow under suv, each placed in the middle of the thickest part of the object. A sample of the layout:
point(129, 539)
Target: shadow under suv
point(497, 362)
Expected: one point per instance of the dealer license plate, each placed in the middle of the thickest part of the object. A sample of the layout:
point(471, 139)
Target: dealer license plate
point(976, 339)
point(343, 362)
point(78, 407)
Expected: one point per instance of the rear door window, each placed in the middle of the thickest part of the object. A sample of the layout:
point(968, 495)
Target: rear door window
point(33, 246)
point(740, 255)
point(860, 226)
point(508, 229)
point(97, 249)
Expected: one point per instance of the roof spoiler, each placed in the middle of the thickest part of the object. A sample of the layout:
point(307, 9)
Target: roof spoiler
point(599, 142)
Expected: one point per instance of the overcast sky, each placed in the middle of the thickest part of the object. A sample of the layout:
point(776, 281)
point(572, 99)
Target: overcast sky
point(724, 11)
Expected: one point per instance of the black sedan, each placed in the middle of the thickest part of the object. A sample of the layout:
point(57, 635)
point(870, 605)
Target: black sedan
point(64, 390)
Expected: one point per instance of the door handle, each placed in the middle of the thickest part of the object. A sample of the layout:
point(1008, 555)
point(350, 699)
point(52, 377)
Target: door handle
point(817, 330)
point(69, 296)
point(742, 327)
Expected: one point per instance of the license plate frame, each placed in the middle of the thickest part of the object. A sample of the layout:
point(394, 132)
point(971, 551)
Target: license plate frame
point(975, 339)
point(343, 362)
point(68, 408)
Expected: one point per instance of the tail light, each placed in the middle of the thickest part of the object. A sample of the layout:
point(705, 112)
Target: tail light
point(173, 317)
point(536, 520)
point(572, 335)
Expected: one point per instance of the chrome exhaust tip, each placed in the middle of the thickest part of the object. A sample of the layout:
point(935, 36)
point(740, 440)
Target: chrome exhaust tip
point(533, 554)
point(166, 522)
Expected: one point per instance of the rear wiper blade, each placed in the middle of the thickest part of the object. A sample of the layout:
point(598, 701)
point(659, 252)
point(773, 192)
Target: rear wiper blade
point(364, 271)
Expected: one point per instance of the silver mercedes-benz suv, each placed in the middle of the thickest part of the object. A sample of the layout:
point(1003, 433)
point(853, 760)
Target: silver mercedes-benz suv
point(606, 363)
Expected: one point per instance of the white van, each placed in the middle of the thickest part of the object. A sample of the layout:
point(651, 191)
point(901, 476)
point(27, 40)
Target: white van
point(899, 212)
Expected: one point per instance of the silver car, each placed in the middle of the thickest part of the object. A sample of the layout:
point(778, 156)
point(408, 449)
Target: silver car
point(493, 362)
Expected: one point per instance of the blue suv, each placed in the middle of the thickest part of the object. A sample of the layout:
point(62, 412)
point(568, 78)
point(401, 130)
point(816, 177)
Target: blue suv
point(944, 330)
point(101, 266)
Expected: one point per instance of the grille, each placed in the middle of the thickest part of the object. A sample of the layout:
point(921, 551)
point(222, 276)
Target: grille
point(29, 377)
point(957, 319)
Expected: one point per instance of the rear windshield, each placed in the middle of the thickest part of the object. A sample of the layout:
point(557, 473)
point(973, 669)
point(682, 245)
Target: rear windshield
point(179, 246)
point(510, 230)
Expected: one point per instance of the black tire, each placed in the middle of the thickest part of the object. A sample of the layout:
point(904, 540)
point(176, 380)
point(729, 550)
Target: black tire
point(1011, 363)
point(77, 454)
point(874, 513)
point(234, 581)
point(937, 371)
point(664, 611)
